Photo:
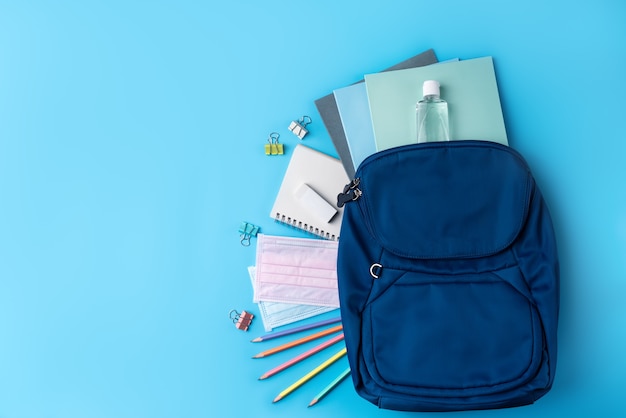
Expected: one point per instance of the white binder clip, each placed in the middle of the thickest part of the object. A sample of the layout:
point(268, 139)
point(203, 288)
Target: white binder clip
point(299, 128)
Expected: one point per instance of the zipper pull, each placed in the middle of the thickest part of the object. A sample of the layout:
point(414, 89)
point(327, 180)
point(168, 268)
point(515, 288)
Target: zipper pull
point(350, 192)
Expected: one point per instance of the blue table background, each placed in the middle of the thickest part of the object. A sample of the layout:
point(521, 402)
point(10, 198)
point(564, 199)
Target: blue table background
point(131, 148)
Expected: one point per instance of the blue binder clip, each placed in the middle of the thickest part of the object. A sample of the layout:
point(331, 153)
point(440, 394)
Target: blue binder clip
point(273, 147)
point(299, 128)
point(247, 231)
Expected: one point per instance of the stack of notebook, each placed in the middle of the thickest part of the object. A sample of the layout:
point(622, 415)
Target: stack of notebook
point(378, 113)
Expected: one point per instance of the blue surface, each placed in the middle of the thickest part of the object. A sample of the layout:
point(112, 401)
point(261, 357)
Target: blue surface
point(131, 148)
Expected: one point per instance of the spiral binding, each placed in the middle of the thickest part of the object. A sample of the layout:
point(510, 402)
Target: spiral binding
point(294, 223)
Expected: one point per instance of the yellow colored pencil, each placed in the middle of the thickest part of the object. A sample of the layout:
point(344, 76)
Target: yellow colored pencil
point(299, 341)
point(310, 374)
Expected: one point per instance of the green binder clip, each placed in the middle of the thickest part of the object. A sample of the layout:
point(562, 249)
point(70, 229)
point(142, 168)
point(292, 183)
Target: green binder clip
point(273, 147)
point(247, 231)
point(299, 128)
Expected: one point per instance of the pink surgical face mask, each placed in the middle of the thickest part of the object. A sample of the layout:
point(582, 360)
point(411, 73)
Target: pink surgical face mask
point(296, 270)
point(277, 314)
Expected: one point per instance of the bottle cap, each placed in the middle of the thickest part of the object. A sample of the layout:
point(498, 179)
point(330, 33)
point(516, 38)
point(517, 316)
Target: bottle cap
point(431, 88)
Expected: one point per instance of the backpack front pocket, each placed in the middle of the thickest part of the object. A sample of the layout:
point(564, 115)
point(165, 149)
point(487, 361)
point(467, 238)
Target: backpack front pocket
point(451, 335)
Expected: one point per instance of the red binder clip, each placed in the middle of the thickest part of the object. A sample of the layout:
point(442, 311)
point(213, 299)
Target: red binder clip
point(241, 320)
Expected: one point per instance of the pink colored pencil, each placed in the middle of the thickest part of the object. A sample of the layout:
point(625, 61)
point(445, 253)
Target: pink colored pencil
point(302, 356)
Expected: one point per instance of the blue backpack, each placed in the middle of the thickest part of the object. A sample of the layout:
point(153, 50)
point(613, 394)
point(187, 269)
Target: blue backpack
point(448, 279)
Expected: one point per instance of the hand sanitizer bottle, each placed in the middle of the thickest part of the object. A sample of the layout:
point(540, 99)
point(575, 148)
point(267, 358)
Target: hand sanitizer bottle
point(432, 115)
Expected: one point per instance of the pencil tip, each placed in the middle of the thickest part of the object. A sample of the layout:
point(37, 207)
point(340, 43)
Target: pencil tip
point(263, 377)
point(313, 402)
point(278, 398)
point(258, 356)
point(257, 340)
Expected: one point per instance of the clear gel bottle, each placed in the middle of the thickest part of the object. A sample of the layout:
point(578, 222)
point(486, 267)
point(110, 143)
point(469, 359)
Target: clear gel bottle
point(432, 115)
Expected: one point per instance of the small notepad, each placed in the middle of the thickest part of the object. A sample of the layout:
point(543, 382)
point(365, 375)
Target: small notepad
point(307, 198)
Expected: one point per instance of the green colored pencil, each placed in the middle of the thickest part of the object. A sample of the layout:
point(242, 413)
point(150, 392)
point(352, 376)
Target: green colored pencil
point(330, 387)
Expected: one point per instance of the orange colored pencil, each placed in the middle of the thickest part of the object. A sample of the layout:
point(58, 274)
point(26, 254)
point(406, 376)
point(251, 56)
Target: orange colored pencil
point(302, 356)
point(299, 341)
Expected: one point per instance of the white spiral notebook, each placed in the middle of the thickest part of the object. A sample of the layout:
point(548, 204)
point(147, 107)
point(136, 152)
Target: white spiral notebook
point(307, 198)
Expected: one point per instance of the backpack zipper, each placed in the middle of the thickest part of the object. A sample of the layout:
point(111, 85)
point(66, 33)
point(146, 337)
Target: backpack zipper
point(350, 193)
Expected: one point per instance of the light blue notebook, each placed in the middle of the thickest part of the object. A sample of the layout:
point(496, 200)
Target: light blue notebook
point(354, 111)
point(469, 87)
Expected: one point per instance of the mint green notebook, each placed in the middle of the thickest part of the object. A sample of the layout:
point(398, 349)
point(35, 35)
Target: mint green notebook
point(469, 87)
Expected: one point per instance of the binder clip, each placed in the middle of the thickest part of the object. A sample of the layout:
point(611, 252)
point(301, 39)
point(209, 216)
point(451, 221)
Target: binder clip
point(247, 231)
point(241, 320)
point(299, 128)
point(273, 147)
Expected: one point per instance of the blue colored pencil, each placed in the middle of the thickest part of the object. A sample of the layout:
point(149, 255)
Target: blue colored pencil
point(330, 386)
point(297, 329)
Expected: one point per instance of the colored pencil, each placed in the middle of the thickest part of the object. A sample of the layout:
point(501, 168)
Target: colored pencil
point(302, 356)
point(330, 387)
point(310, 374)
point(296, 329)
point(299, 341)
